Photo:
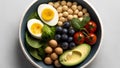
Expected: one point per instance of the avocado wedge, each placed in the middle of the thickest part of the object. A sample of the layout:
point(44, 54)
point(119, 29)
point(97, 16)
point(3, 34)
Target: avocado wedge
point(76, 55)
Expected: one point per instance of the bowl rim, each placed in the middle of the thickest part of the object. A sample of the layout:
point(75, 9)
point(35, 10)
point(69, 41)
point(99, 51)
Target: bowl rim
point(101, 35)
point(38, 66)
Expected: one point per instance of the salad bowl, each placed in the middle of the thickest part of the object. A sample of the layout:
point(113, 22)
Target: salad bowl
point(94, 16)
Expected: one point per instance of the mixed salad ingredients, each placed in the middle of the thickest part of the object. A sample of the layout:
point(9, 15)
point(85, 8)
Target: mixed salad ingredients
point(59, 33)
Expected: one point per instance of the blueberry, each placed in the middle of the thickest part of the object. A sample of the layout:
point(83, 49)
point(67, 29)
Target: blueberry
point(71, 45)
point(64, 37)
point(65, 31)
point(71, 32)
point(58, 29)
point(70, 39)
point(66, 24)
point(58, 37)
point(64, 45)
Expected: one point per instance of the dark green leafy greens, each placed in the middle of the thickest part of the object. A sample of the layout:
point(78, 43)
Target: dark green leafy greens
point(85, 20)
point(77, 24)
point(41, 52)
point(34, 43)
point(33, 15)
point(34, 54)
point(35, 47)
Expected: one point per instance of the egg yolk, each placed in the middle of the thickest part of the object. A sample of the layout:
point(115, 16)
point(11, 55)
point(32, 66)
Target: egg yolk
point(36, 28)
point(47, 14)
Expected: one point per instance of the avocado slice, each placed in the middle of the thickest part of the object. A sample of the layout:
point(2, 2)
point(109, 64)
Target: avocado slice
point(76, 55)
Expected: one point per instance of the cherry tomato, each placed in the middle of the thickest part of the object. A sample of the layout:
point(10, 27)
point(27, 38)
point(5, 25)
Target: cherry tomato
point(91, 38)
point(91, 26)
point(79, 38)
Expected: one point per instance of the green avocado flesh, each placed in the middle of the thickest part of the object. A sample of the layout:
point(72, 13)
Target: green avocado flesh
point(75, 56)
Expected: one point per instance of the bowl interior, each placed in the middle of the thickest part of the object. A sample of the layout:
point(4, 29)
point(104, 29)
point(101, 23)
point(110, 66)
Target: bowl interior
point(93, 15)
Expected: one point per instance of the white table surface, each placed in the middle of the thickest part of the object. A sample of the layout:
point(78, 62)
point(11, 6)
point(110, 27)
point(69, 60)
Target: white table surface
point(11, 55)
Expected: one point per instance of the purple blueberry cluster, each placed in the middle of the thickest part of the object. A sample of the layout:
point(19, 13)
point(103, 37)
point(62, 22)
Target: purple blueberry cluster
point(64, 36)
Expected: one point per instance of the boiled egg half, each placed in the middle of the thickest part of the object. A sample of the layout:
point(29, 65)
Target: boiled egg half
point(35, 28)
point(48, 14)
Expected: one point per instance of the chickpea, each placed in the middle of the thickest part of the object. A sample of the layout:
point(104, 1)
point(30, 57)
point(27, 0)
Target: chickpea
point(81, 18)
point(48, 49)
point(60, 14)
point(63, 2)
point(65, 14)
point(65, 8)
point(76, 11)
point(48, 60)
point(59, 9)
point(60, 23)
point(79, 7)
point(87, 14)
point(75, 16)
point(62, 19)
point(57, 64)
point(80, 13)
point(70, 11)
point(69, 4)
point(58, 50)
point(74, 7)
point(51, 3)
point(84, 10)
point(74, 3)
point(70, 17)
point(56, 5)
point(53, 43)
point(54, 56)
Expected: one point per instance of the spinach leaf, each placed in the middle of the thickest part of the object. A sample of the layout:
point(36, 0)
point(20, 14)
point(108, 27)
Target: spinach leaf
point(34, 54)
point(34, 43)
point(41, 52)
point(34, 15)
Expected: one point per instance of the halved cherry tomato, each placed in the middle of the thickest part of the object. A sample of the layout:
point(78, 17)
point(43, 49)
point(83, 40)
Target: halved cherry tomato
point(79, 38)
point(91, 38)
point(91, 26)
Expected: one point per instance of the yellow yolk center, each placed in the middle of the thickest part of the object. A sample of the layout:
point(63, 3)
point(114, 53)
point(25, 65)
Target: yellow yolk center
point(47, 14)
point(36, 28)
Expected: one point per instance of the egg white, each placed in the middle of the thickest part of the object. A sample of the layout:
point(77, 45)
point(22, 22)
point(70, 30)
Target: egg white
point(52, 22)
point(29, 24)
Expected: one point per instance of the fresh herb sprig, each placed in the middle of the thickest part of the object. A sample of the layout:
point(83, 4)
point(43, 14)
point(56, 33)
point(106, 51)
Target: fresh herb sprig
point(79, 24)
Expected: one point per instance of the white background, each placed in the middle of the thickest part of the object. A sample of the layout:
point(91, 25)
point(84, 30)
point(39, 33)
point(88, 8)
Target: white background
point(11, 55)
